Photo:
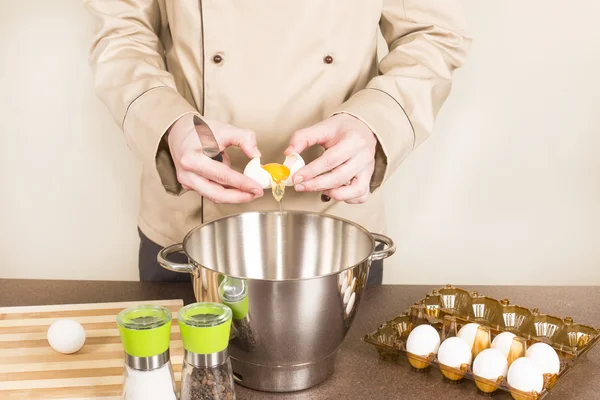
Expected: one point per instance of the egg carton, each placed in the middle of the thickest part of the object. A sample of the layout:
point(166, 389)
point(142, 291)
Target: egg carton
point(449, 308)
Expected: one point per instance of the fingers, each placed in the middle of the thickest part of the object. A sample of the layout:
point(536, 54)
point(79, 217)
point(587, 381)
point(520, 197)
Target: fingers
point(215, 192)
point(355, 193)
point(219, 173)
point(226, 159)
point(329, 160)
point(335, 178)
point(360, 200)
point(212, 179)
point(229, 135)
point(245, 139)
point(302, 139)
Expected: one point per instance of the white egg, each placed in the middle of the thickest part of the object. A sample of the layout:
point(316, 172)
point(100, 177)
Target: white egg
point(254, 170)
point(524, 375)
point(66, 336)
point(349, 291)
point(294, 162)
point(454, 352)
point(347, 295)
point(344, 284)
point(423, 340)
point(468, 333)
point(490, 364)
point(342, 277)
point(350, 305)
point(503, 342)
point(545, 358)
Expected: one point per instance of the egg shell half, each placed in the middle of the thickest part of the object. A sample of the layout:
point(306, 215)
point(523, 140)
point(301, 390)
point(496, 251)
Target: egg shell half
point(294, 162)
point(503, 342)
point(423, 340)
point(454, 352)
point(545, 357)
point(524, 375)
point(490, 364)
point(255, 171)
point(468, 333)
point(66, 336)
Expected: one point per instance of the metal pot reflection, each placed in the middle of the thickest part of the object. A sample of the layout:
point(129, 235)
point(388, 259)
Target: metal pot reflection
point(293, 280)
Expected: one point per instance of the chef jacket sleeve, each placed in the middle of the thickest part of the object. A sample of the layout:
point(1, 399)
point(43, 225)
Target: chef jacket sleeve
point(130, 77)
point(427, 41)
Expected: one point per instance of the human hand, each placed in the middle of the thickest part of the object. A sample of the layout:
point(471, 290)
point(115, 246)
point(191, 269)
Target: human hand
point(212, 179)
point(344, 170)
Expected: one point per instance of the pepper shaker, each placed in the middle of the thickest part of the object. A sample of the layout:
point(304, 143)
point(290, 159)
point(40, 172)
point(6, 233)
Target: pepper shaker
point(233, 292)
point(207, 373)
point(145, 332)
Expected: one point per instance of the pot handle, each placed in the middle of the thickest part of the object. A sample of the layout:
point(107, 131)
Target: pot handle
point(171, 266)
point(388, 250)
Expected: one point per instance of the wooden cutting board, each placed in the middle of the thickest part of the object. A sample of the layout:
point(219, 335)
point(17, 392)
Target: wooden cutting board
point(31, 369)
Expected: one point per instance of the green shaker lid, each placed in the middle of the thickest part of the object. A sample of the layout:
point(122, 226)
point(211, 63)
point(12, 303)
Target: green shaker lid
point(233, 292)
point(145, 330)
point(205, 327)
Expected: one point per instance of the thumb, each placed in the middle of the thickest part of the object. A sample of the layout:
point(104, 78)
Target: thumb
point(307, 137)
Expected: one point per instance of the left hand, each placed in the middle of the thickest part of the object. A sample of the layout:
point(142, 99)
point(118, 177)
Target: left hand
point(344, 170)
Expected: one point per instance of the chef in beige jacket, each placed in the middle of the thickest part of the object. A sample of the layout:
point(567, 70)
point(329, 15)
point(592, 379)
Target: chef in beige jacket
point(271, 77)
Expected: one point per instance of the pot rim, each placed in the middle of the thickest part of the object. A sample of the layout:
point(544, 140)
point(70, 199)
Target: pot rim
point(296, 212)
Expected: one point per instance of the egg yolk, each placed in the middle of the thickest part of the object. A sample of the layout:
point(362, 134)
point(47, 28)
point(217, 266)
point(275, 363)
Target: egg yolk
point(278, 172)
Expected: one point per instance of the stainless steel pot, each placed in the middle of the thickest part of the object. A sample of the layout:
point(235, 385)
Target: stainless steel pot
point(294, 281)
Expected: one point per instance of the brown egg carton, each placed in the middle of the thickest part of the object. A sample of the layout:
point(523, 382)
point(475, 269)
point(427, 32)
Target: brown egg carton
point(449, 308)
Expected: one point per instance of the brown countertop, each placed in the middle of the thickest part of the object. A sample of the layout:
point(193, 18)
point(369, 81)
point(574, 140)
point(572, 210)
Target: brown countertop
point(360, 374)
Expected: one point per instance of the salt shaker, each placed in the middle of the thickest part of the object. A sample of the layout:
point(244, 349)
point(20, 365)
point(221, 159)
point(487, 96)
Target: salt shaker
point(207, 373)
point(145, 332)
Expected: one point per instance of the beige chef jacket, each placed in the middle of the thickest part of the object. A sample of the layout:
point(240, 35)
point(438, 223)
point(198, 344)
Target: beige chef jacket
point(271, 66)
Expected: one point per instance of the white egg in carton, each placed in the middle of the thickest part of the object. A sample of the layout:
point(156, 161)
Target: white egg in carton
point(486, 351)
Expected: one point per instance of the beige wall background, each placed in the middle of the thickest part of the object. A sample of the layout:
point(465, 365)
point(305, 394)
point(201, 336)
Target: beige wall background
point(506, 191)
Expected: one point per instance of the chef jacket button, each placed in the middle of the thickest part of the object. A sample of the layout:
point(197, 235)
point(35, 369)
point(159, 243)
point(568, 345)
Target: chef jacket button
point(328, 60)
point(217, 59)
point(325, 198)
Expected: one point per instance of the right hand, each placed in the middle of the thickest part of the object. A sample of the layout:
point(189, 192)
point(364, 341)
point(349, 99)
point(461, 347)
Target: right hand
point(212, 179)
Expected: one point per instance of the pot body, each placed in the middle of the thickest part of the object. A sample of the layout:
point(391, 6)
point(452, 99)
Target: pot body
point(297, 279)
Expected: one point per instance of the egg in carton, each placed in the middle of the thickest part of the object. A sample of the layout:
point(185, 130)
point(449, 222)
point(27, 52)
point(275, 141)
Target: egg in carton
point(513, 328)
